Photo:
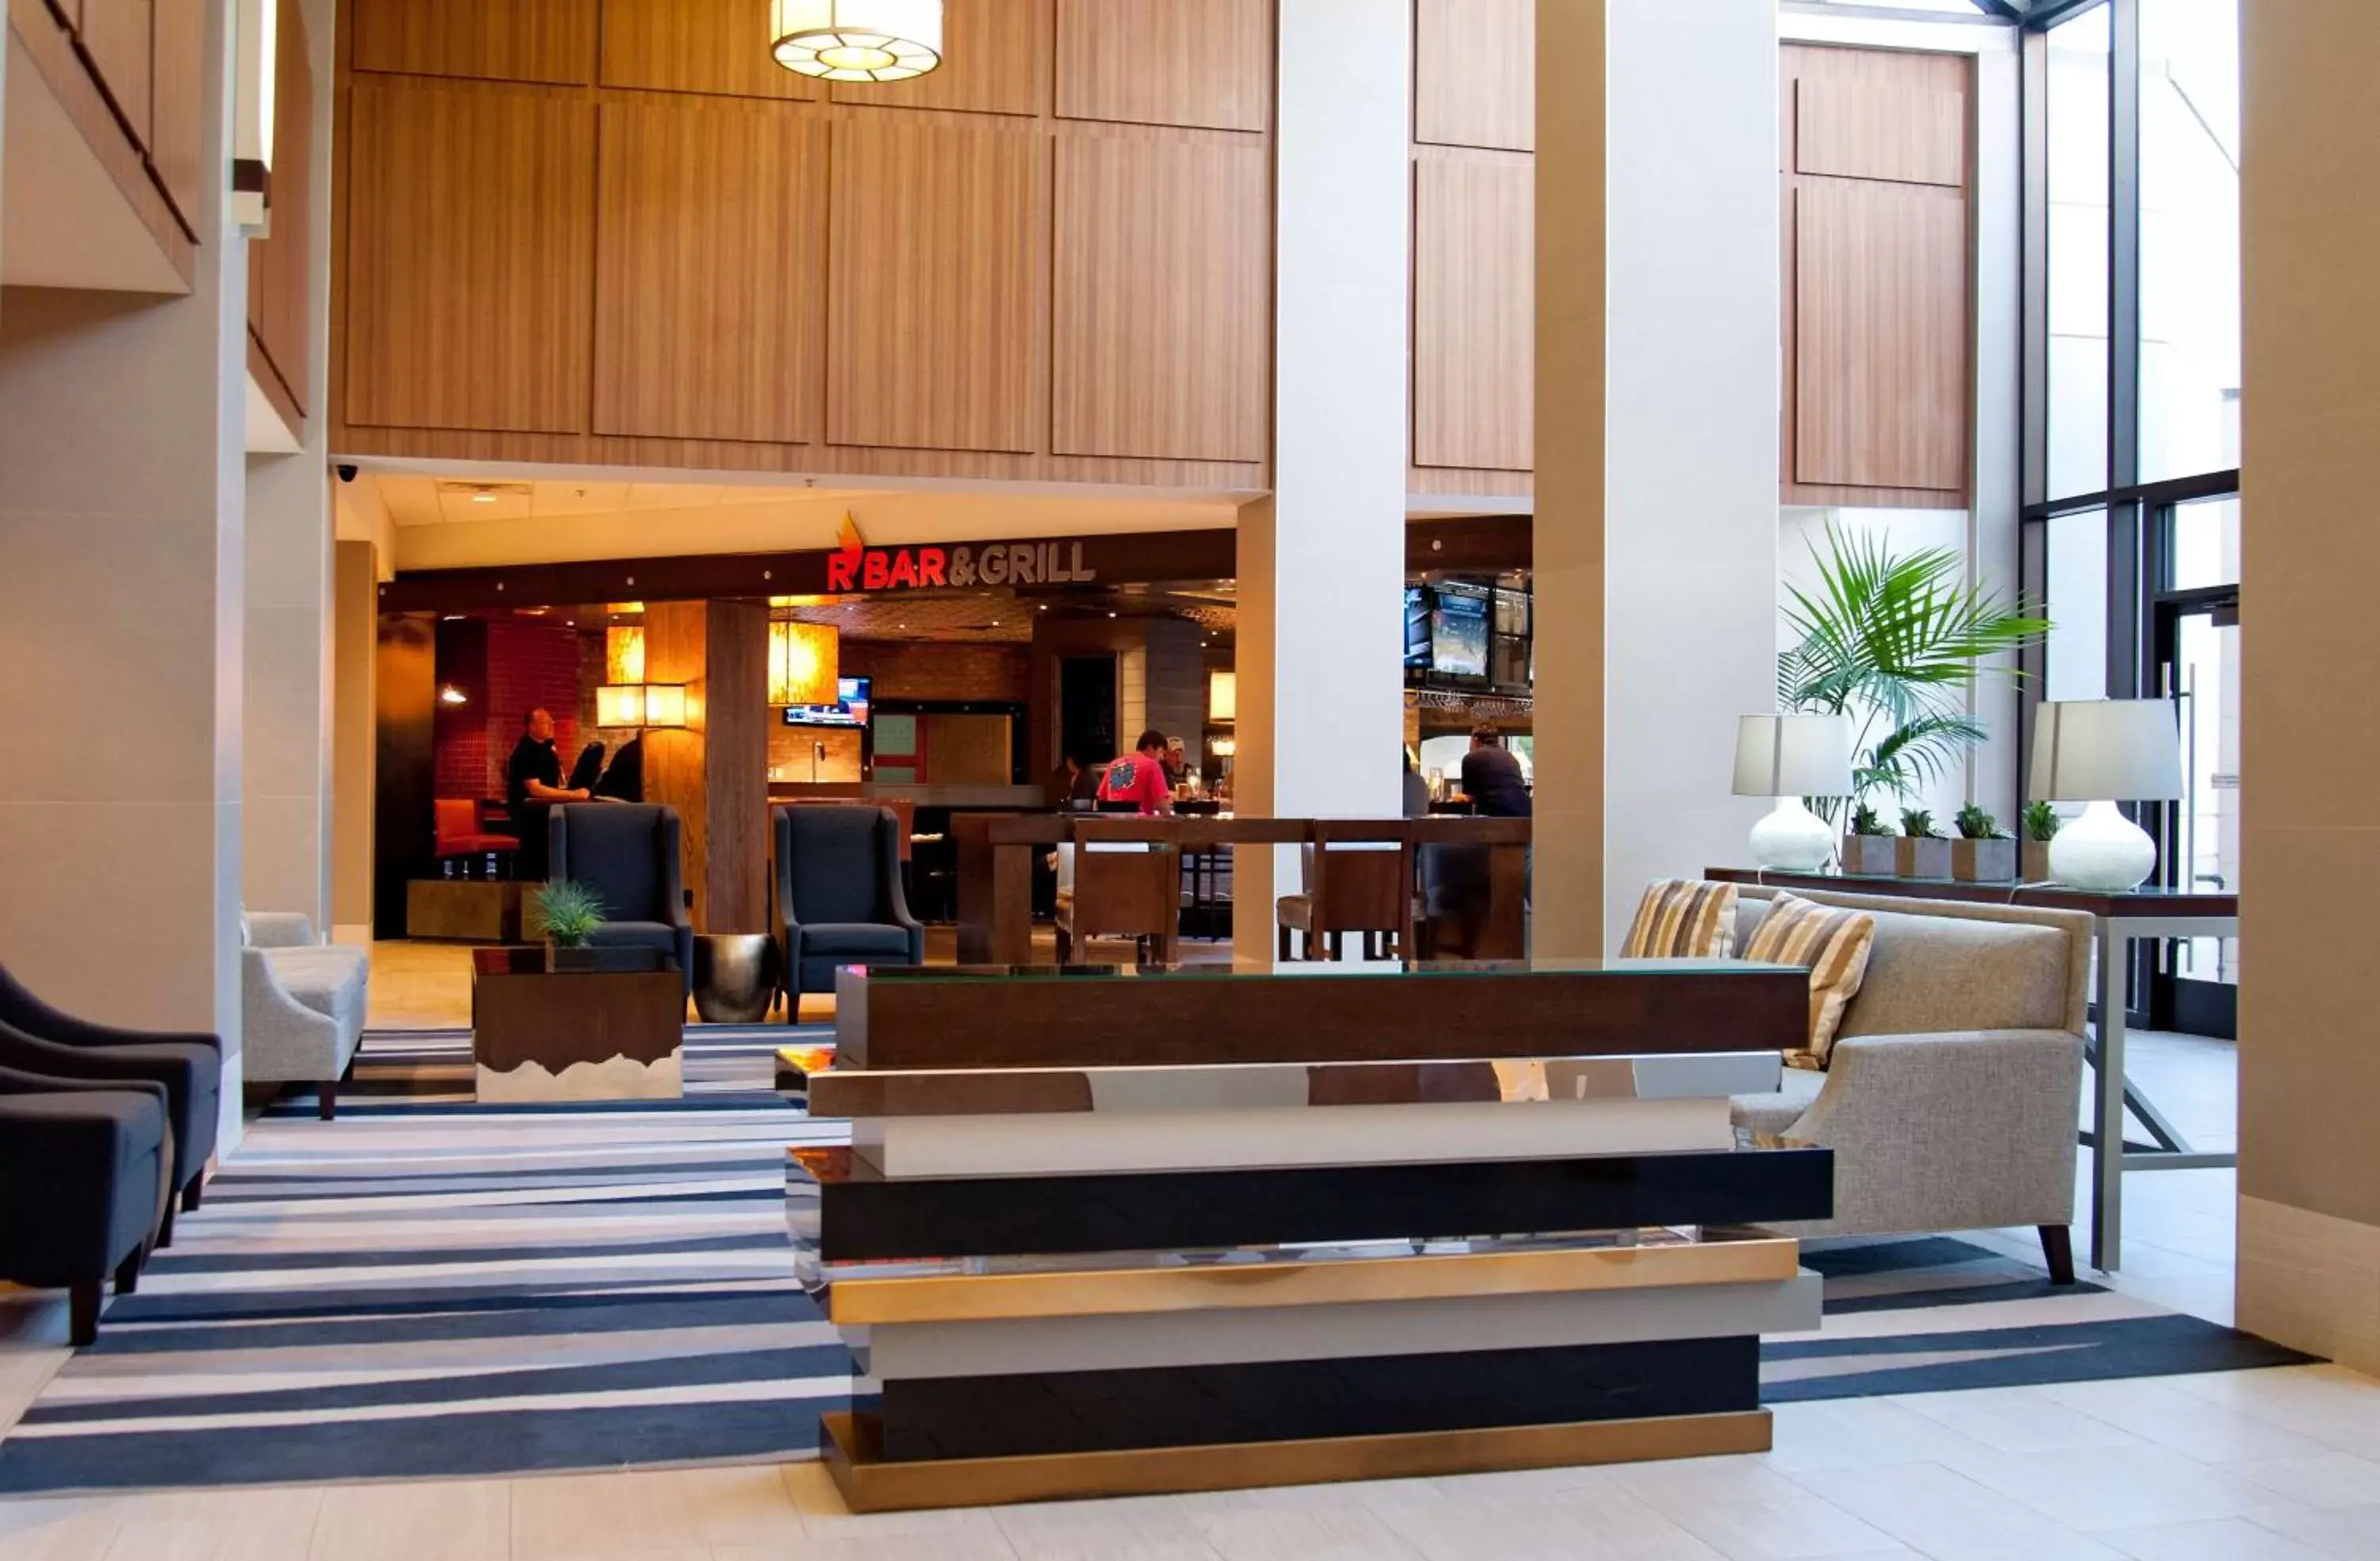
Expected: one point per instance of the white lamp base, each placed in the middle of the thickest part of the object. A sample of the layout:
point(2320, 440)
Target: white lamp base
point(1792, 838)
point(2102, 850)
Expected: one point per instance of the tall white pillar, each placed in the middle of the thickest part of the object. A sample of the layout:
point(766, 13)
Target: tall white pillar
point(121, 575)
point(1667, 555)
point(1321, 572)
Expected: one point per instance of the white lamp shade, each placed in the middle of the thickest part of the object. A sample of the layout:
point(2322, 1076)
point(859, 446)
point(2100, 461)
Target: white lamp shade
point(2107, 750)
point(1793, 757)
point(856, 39)
point(1222, 696)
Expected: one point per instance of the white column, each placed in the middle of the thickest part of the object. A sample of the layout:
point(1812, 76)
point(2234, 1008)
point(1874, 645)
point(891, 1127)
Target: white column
point(1688, 344)
point(121, 576)
point(1321, 650)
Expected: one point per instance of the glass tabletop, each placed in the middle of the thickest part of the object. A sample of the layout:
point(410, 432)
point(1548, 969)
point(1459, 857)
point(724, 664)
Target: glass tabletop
point(1314, 970)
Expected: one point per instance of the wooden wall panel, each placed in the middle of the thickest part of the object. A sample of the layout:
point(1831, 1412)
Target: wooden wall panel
point(696, 46)
point(709, 216)
point(177, 59)
point(1476, 73)
point(470, 257)
point(995, 60)
point(1863, 127)
point(1159, 344)
point(484, 40)
point(115, 39)
point(1474, 310)
point(937, 283)
point(1166, 62)
point(279, 267)
point(1880, 336)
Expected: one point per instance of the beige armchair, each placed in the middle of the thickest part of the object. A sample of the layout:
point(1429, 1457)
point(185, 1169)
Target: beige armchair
point(1955, 1084)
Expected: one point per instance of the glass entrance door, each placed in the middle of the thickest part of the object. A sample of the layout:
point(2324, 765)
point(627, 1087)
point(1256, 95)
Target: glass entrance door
point(2195, 983)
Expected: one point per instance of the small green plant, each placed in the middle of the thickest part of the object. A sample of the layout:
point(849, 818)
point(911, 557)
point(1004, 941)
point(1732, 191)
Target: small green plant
point(571, 913)
point(1866, 822)
point(1917, 823)
point(1975, 824)
point(2040, 821)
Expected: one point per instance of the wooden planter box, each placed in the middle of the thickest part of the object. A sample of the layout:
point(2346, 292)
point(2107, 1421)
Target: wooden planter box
point(1922, 857)
point(2035, 861)
point(1872, 855)
point(1983, 861)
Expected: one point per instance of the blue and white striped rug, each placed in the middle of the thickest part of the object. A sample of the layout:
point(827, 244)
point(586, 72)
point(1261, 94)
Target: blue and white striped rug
point(429, 1286)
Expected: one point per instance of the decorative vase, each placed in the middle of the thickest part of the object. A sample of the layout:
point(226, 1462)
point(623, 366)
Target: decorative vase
point(1922, 857)
point(734, 978)
point(572, 959)
point(2035, 865)
point(1870, 855)
point(1792, 838)
point(1987, 861)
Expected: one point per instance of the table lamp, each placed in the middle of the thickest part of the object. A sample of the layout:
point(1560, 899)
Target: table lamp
point(1790, 757)
point(2103, 752)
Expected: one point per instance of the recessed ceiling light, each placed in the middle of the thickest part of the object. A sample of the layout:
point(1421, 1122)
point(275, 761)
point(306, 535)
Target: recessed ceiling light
point(483, 497)
point(1111, 615)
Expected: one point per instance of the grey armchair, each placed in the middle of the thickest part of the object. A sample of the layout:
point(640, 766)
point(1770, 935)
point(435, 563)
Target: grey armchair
point(627, 854)
point(838, 897)
point(83, 1175)
point(38, 1038)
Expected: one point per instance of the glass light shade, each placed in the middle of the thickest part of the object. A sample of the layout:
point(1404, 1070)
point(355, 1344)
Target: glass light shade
point(620, 705)
point(665, 703)
point(803, 663)
point(623, 655)
point(2106, 750)
point(1222, 696)
point(1793, 757)
point(856, 39)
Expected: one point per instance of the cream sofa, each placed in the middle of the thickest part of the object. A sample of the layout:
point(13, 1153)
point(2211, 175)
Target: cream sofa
point(1955, 1085)
point(301, 1004)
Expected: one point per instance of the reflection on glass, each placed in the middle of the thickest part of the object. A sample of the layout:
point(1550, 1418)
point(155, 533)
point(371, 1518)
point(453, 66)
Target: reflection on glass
point(2078, 255)
point(2206, 685)
point(2190, 238)
point(2206, 544)
point(2076, 656)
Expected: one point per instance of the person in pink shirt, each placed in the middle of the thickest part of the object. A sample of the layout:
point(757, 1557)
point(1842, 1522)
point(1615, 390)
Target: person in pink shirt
point(1139, 777)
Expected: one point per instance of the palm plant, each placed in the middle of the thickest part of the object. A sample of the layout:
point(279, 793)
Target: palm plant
point(1897, 641)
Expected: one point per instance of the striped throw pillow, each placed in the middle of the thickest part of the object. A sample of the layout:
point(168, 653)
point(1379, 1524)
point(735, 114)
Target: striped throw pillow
point(1832, 944)
point(1683, 919)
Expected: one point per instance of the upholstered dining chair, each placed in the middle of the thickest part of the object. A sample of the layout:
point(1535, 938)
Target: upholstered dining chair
point(626, 854)
point(1127, 883)
point(1358, 878)
point(837, 895)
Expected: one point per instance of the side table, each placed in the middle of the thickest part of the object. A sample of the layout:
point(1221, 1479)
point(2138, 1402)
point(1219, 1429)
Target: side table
point(537, 1034)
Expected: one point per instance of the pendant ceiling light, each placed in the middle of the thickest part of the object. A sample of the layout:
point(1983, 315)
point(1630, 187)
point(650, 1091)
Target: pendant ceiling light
point(803, 663)
point(858, 39)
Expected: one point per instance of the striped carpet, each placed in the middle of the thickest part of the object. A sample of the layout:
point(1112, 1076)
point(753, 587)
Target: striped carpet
point(428, 1287)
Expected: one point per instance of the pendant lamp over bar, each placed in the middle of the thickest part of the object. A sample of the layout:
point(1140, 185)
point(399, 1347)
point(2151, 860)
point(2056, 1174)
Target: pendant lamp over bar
point(803, 663)
point(856, 39)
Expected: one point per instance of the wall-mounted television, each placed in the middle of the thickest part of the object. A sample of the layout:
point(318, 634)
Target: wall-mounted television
point(1458, 632)
point(1416, 628)
point(850, 707)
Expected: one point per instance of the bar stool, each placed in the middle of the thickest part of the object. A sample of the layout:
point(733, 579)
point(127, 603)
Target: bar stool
point(1127, 884)
point(1359, 878)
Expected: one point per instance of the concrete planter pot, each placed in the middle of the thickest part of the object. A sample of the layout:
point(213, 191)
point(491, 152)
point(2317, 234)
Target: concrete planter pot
point(1870, 855)
point(2035, 861)
point(1983, 861)
point(1922, 857)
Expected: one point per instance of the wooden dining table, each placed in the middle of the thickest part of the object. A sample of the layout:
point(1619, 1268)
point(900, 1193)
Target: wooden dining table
point(996, 852)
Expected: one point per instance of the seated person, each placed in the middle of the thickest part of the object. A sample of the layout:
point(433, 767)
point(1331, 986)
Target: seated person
point(625, 780)
point(1138, 779)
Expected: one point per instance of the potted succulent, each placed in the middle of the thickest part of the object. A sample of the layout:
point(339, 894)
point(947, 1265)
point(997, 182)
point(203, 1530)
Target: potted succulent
point(1920, 852)
point(2040, 824)
point(570, 913)
point(1981, 853)
point(1869, 846)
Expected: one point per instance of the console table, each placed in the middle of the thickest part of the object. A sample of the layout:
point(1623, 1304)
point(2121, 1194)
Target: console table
point(2122, 919)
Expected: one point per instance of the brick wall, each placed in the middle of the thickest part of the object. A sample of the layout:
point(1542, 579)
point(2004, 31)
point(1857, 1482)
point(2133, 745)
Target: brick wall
point(526, 665)
point(908, 669)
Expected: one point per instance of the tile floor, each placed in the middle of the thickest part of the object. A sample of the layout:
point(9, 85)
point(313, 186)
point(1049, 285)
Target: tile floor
point(2252, 1466)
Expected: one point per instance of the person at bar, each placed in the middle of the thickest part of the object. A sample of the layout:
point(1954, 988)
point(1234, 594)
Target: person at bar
point(1493, 779)
point(1139, 779)
point(533, 785)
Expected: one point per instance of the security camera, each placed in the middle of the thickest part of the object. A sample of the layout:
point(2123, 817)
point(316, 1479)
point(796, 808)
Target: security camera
point(346, 471)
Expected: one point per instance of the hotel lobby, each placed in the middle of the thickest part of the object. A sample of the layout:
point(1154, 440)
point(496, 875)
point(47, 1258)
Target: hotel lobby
point(1207, 778)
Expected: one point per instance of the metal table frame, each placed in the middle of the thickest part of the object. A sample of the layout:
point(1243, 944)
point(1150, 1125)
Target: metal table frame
point(2113, 1093)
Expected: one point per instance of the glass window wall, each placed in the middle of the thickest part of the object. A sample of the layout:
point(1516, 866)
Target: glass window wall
point(2077, 282)
point(2190, 238)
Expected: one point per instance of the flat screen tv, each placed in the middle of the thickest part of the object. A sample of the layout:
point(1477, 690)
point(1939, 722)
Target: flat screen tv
point(850, 707)
point(1416, 628)
point(1458, 624)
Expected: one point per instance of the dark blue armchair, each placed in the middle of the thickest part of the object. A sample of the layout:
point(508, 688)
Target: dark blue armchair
point(838, 896)
point(627, 854)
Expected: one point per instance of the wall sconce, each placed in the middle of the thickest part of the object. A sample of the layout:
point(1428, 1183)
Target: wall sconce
point(1222, 696)
point(450, 695)
point(640, 704)
point(805, 663)
point(1224, 747)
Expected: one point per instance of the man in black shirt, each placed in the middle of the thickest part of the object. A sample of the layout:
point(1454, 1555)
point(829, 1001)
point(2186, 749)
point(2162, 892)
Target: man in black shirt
point(1491, 777)
point(533, 785)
